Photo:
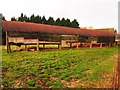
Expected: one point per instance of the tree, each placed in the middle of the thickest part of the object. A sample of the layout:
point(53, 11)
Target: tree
point(67, 22)
point(40, 20)
point(62, 22)
point(3, 18)
point(44, 21)
point(32, 18)
point(37, 19)
point(13, 19)
point(75, 24)
point(21, 18)
point(57, 22)
point(26, 19)
point(50, 21)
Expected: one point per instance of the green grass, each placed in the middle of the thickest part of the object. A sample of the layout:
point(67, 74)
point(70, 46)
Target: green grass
point(56, 69)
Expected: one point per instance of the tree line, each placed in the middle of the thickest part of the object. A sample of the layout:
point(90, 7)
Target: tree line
point(50, 21)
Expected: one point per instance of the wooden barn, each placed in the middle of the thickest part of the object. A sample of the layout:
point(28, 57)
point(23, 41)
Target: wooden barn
point(24, 33)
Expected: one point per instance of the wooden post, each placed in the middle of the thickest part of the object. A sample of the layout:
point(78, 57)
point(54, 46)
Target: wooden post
point(43, 45)
point(77, 45)
point(109, 44)
point(70, 44)
point(114, 43)
point(38, 45)
point(100, 45)
point(25, 47)
point(59, 46)
point(9, 47)
point(7, 42)
point(90, 45)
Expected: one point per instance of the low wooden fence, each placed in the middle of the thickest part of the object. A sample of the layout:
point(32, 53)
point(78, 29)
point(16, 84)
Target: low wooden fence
point(72, 43)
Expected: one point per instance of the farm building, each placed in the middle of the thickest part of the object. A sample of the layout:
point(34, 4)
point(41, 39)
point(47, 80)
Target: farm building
point(117, 39)
point(24, 33)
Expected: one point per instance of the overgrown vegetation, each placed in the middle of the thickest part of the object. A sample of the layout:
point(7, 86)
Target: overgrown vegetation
point(77, 68)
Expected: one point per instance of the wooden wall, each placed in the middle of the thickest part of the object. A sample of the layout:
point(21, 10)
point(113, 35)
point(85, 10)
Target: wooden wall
point(40, 36)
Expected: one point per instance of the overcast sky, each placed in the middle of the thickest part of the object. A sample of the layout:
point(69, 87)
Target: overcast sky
point(95, 13)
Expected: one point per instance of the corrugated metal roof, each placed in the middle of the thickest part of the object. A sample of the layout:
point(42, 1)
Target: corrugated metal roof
point(13, 26)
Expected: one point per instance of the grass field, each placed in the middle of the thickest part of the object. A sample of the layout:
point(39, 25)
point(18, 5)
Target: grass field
point(73, 68)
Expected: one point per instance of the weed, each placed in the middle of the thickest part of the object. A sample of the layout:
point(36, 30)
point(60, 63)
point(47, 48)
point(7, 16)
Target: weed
point(11, 83)
point(45, 76)
point(56, 84)
point(68, 78)
point(37, 86)
point(48, 83)
point(77, 76)
point(63, 76)
point(31, 82)
point(4, 83)
point(56, 74)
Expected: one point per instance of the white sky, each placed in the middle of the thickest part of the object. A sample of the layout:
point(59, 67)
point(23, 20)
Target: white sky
point(95, 13)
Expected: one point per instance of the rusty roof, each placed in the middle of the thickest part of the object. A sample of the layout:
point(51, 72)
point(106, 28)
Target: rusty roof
point(13, 26)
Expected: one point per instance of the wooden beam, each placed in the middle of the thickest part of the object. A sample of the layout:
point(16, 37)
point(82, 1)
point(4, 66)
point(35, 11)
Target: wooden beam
point(77, 45)
point(100, 45)
point(59, 46)
point(90, 45)
point(7, 42)
point(114, 43)
point(25, 47)
point(38, 45)
point(70, 44)
point(109, 44)
point(43, 45)
point(9, 47)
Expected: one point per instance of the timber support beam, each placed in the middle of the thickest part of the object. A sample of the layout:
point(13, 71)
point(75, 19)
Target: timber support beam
point(8, 48)
point(38, 45)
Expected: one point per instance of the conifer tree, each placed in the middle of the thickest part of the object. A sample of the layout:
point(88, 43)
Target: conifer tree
point(21, 18)
point(44, 21)
point(50, 21)
point(75, 24)
point(13, 19)
point(57, 22)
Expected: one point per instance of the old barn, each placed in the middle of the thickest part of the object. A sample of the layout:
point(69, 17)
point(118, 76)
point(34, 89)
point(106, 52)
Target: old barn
point(24, 33)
